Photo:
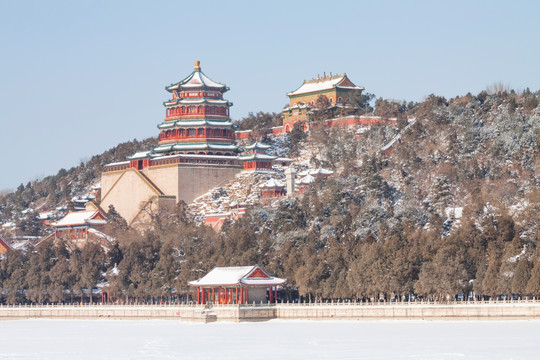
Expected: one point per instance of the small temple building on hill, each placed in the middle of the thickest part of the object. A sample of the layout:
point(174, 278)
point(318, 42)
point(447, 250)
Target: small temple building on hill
point(81, 226)
point(237, 285)
point(338, 89)
point(196, 152)
point(256, 157)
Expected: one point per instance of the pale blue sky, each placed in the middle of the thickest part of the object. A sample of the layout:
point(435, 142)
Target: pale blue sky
point(78, 77)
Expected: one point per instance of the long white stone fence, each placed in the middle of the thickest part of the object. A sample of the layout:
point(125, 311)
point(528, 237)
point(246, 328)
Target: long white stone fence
point(348, 310)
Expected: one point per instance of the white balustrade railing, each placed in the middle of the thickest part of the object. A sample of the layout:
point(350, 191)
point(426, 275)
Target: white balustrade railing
point(341, 303)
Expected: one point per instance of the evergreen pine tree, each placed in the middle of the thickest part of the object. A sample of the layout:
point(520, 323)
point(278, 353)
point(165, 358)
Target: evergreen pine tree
point(521, 277)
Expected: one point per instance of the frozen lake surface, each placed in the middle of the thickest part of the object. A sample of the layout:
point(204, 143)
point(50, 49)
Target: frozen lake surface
point(161, 339)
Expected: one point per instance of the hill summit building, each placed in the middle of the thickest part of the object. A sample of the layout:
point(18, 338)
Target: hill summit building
point(196, 152)
point(338, 89)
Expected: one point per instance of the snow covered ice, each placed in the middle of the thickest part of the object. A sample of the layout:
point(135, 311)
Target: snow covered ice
point(160, 339)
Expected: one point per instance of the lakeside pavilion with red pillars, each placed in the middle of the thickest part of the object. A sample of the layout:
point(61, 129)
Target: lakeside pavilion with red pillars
point(237, 285)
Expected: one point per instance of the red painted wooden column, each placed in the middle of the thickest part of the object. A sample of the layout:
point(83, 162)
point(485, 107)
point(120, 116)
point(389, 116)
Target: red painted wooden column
point(241, 295)
point(202, 295)
point(270, 294)
point(247, 295)
point(275, 294)
point(213, 296)
point(198, 295)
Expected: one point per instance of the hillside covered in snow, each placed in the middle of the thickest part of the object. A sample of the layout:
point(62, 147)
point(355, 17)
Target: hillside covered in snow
point(444, 203)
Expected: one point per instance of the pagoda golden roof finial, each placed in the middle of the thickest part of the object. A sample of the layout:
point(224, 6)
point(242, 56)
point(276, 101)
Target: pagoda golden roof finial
point(197, 65)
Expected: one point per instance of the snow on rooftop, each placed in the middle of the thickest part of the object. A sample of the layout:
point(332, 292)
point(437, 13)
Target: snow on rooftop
point(311, 86)
point(75, 218)
point(235, 275)
point(272, 183)
point(322, 84)
point(139, 155)
point(308, 179)
point(258, 145)
point(201, 101)
point(257, 157)
point(196, 79)
point(203, 146)
point(118, 163)
point(319, 171)
point(223, 275)
point(194, 123)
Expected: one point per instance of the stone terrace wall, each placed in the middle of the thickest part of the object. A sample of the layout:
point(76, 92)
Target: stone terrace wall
point(412, 311)
point(514, 310)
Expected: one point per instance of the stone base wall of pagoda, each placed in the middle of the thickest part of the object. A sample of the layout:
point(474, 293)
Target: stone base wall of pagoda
point(189, 181)
point(130, 189)
point(194, 181)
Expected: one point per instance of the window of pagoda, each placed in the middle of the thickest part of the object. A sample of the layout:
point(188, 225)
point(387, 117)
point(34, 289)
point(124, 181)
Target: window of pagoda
point(192, 109)
point(183, 109)
point(167, 134)
point(213, 110)
point(167, 112)
point(182, 132)
point(200, 109)
point(173, 134)
point(200, 132)
point(191, 132)
point(210, 132)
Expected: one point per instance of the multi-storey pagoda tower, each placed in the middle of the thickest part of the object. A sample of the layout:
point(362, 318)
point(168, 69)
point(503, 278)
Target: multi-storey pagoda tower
point(196, 152)
point(197, 118)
